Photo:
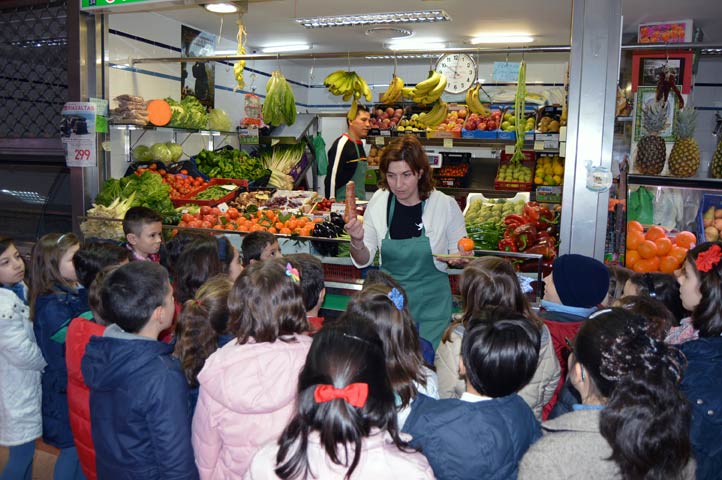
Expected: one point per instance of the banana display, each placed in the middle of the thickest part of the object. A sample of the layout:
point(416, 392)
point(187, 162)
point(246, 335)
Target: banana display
point(394, 93)
point(347, 84)
point(280, 104)
point(473, 102)
point(429, 90)
point(241, 50)
point(435, 116)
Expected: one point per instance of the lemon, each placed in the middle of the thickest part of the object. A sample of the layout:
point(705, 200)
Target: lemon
point(557, 179)
point(538, 180)
point(558, 169)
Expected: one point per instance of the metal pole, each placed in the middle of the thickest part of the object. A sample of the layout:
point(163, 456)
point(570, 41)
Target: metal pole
point(593, 76)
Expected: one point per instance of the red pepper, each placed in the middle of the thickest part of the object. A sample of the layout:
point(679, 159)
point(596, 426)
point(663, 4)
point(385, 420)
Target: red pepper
point(546, 218)
point(542, 249)
point(531, 212)
point(524, 236)
point(515, 220)
point(506, 245)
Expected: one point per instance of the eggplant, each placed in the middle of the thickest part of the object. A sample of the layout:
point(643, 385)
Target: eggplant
point(325, 230)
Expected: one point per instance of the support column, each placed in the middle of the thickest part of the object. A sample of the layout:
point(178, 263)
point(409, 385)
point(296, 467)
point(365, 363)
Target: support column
point(593, 75)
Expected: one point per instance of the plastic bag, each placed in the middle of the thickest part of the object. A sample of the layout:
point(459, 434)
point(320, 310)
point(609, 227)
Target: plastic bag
point(319, 147)
point(641, 206)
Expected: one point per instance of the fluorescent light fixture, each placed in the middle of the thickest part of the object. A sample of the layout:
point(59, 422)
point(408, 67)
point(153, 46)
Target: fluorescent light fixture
point(286, 48)
point(420, 16)
point(502, 38)
point(416, 45)
point(221, 7)
point(402, 57)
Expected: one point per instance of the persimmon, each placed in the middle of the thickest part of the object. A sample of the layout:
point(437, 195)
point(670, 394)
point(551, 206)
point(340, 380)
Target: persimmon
point(680, 253)
point(655, 232)
point(647, 249)
point(664, 245)
point(634, 238)
point(668, 264)
point(631, 257)
point(685, 239)
point(634, 226)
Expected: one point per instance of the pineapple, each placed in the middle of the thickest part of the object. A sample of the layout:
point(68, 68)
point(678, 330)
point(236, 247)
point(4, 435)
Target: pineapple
point(717, 162)
point(651, 149)
point(684, 159)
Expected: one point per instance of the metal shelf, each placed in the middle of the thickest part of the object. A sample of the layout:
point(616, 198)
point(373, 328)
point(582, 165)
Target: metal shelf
point(677, 182)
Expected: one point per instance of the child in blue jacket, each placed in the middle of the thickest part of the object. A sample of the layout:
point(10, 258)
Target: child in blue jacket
point(140, 417)
point(486, 432)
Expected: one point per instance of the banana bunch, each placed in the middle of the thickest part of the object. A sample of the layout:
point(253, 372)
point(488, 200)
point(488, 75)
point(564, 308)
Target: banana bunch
point(280, 104)
point(473, 102)
point(241, 50)
point(394, 92)
point(349, 85)
point(429, 90)
point(435, 116)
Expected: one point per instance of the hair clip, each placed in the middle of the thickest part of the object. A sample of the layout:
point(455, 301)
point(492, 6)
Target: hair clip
point(709, 258)
point(354, 394)
point(292, 273)
point(60, 238)
point(396, 297)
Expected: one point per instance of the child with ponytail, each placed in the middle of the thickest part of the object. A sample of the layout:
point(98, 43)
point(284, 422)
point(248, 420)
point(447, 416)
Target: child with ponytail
point(633, 422)
point(700, 287)
point(344, 425)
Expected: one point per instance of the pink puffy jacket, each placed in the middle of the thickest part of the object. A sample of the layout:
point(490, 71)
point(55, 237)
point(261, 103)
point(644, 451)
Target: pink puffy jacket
point(247, 395)
point(380, 460)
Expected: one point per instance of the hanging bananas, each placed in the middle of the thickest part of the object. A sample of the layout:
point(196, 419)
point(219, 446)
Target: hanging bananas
point(434, 116)
point(241, 50)
point(473, 103)
point(394, 92)
point(348, 85)
point(429, 90)
point(280, 104)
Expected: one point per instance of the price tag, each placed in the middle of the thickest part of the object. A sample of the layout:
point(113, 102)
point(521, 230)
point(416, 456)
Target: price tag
point(505, 72)
point(448, 143)
point(80, 152)
point(551, 144)
point(223, 207)
point(379, 140)
point(509, 149)
point(77, 132)
point(539, 145)
point(248, 135)
point(230, 187)
point(385, 133)
point(562, 149)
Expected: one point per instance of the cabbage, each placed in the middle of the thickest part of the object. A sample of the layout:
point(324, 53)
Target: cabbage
point(175, 150)
point(161, 153)
point(219, 120)
point(141, 153)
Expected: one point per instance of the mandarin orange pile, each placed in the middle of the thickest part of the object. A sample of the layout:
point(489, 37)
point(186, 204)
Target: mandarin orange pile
point(271, 221)
point(654, 251)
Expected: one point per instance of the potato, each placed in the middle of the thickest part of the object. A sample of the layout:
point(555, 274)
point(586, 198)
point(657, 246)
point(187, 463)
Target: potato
point(711, 234)
point(718, 213)
point(717, 223)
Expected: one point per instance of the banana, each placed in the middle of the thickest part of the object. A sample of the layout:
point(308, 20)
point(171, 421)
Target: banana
point(353, 110)
point(407, 92)
point(428, 84)
point(333, 77)
point(436, 115)
point(467, 100)
point(436, 92)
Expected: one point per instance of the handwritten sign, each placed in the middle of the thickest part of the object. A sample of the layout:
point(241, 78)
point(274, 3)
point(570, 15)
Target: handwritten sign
point(505, 72)
point(77, 132)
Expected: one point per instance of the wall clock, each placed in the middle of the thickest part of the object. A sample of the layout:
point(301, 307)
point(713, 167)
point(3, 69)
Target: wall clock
point(459, 70)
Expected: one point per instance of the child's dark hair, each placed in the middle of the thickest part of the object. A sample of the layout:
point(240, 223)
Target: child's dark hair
point(375, 276)
point(204, 318)
point(312, 279)
point(94, 256)
point(198, 262)
point(5, 243)
point(95, 300)
point(132, 292)
point(662, 287)
point(397, 331)
point(707, 316)
point(136, 217)
point(253, 245)
point(45, 265)
point(266, 304)
point(646, 420)
point(340, 355)
point(658, 317)
point(618, 276)
point(179, 242)
point(500, 352)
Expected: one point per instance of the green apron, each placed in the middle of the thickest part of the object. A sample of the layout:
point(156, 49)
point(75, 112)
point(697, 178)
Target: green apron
point(410, 262)
point(359, 180)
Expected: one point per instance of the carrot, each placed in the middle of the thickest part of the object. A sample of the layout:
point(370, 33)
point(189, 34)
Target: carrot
point(159, 112)
point(350, 211)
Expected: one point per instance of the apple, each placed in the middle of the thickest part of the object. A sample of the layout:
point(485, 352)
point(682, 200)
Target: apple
point(482, 126)
point(379, 112)
point(470, 124)
point(398, 112)
point(390, 112)
point(456, 129)
point(462, 113)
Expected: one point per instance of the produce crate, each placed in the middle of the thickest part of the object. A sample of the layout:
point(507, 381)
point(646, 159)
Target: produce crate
point(443, 134)
point(529, 161)
point(242, 185)
point(502, 135)
point(708, 200)
point(455, 171)
point(396, 133)
point(483, 134)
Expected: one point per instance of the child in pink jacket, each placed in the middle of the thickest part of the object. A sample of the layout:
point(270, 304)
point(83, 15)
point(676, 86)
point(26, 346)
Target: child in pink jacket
point(248, 387)
point(345, 423)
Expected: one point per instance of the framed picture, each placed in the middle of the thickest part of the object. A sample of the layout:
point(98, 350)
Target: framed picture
point(678, 31)
point(646, 65)
point(645, 97)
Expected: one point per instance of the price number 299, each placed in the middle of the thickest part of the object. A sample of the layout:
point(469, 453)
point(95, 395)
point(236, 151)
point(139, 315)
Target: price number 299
point(82, 154)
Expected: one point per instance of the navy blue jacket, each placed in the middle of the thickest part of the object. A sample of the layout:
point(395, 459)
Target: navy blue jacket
point(702, 384)
point(464, 440)
point(138, 408)
point(52, 315)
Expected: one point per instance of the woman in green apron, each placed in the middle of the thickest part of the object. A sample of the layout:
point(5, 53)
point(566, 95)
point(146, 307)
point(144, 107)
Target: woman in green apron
point(348, 159)
point(411, 222)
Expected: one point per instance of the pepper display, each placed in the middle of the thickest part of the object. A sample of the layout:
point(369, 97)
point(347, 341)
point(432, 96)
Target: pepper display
point(532, 232)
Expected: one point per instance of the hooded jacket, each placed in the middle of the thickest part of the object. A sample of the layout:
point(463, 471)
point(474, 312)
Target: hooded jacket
point(138, 408)
point(79, 334)
point(246, 399)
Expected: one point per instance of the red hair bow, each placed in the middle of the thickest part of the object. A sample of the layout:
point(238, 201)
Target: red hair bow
point(354, 394)
point(709, 258)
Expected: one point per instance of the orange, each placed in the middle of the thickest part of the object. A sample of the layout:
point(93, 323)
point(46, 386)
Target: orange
point(634, 238)
point(679, 253)
point(631, 258)
point(668, 264)
point(655, 232)
point(634, 225)
point(647, 249)
point(465, 244)
point(284, 231)
point(646, 265)
point(685, 239)
point(664, 245)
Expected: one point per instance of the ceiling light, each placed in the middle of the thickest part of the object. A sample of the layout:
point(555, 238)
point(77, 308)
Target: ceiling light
point(421, 16)
point(286, 48)
point(402, 57)
point(501, 39)
point(221, 7)
point(416, 45)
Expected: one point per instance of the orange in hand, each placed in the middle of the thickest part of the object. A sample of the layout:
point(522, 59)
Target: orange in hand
point(465, 244)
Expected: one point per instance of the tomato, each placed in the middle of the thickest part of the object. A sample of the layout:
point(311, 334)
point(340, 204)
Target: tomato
point(215, 211)
point(465, 244)
point(206, 224)
point(212, 219)
point(205, 210)
point(184, 172)
point(232, 213)
point(187, 217)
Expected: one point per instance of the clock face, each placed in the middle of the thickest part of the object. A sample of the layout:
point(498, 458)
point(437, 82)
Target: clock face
point(459, 70)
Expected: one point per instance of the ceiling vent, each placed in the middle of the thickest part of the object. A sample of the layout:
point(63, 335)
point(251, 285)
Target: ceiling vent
point(388, 33)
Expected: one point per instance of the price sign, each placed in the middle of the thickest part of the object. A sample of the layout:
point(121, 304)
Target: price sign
point(80, 152)
point(505, 72)
point(77, 132)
